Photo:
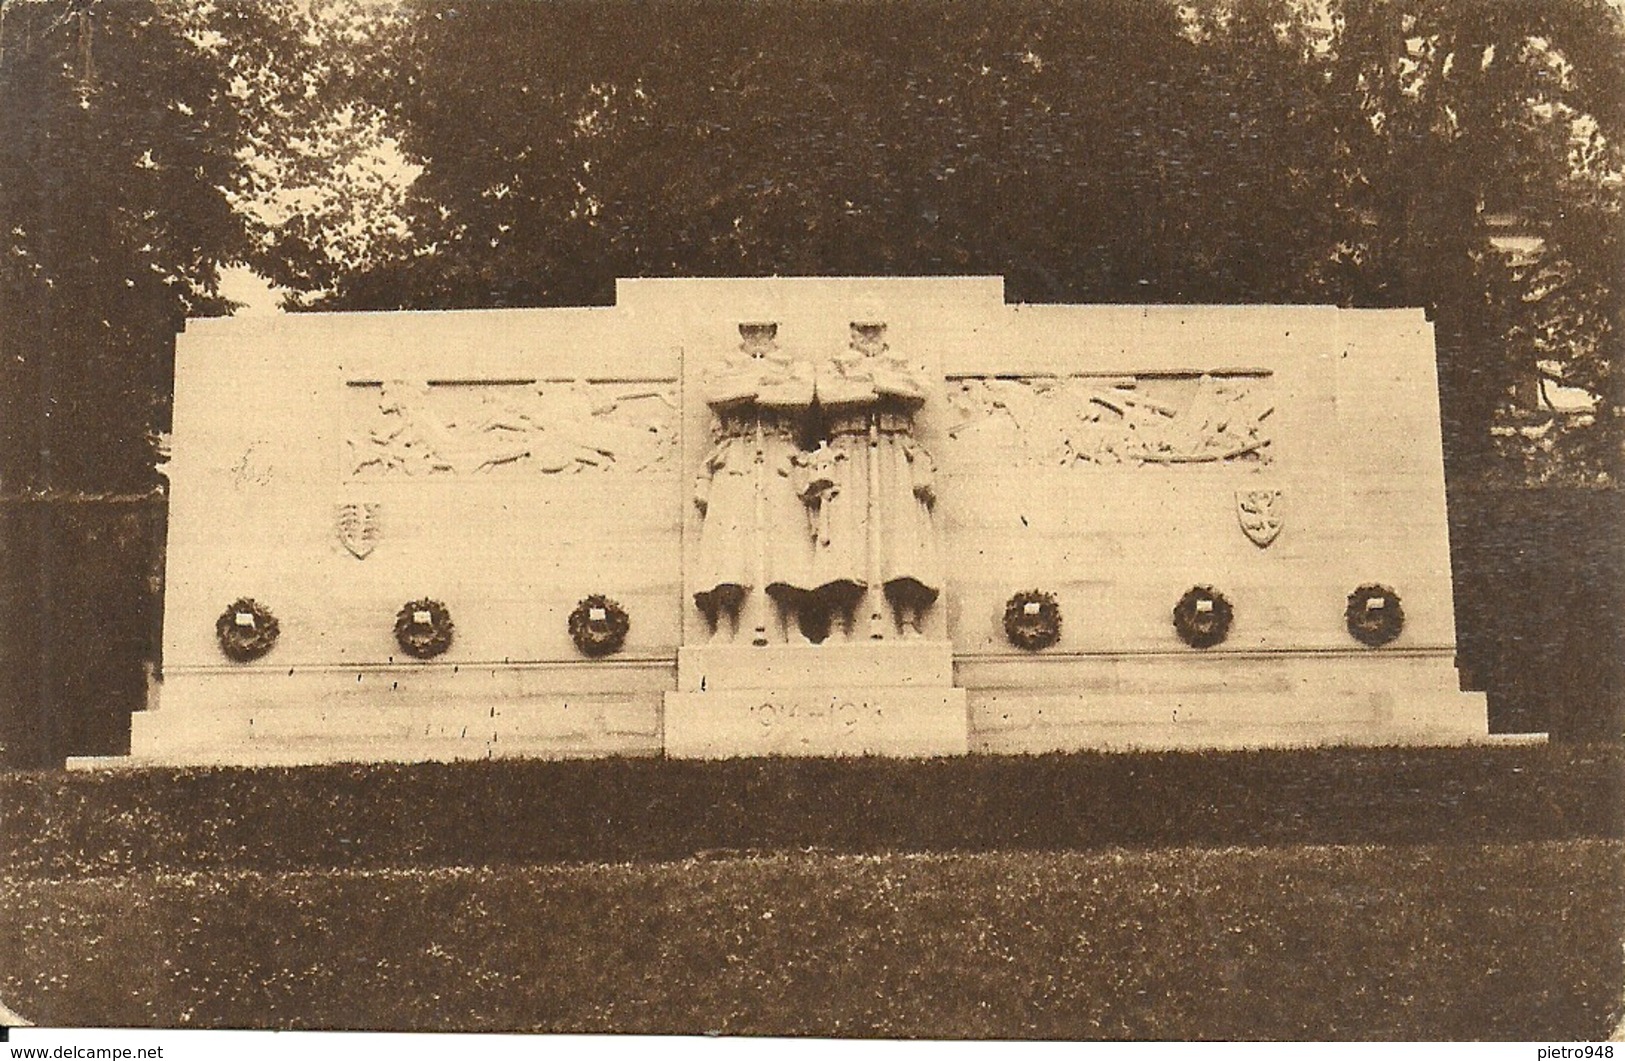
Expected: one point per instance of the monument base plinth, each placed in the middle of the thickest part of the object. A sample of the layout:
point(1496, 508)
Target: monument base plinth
point(897, 721)
point(1221, 700)
point(858, 664)
point(420, 712)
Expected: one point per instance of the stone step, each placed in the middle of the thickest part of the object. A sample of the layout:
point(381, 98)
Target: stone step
point(864, 664)
point(898, 722)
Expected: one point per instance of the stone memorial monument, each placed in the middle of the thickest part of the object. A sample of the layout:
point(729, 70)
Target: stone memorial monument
point(813, 516)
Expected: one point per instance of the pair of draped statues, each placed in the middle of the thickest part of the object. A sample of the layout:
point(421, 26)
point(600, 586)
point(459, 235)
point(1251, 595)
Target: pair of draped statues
point(816, 493)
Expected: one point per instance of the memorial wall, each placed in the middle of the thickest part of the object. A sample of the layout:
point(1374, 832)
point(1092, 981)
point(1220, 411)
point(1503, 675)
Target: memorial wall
point(816, 516)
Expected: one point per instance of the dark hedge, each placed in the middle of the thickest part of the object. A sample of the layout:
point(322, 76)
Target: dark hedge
point(1540, 607)
point(516, 811)
point(81, 613)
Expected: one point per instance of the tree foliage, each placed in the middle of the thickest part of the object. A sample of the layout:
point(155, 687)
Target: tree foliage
point(1457, 113)
point(125, 129)
point(1085, 153)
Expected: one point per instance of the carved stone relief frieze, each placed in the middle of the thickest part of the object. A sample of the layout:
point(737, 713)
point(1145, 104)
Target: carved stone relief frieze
point(1067, 421)
point(549, 427)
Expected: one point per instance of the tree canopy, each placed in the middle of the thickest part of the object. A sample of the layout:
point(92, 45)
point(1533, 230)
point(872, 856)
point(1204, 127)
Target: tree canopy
point(127, 131)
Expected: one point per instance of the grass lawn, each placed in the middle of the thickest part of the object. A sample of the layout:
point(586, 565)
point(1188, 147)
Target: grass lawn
point(1330, 893)
point(1430, 940)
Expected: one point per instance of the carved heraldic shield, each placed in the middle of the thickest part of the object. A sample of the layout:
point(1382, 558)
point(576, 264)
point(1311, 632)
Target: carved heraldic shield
point(358, 528)
point(1260, 514)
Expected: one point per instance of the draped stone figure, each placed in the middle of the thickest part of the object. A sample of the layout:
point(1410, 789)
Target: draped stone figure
point(787, 542)
point(875, 522)
point(840, 569)
point(910, 570)
point(756, 532)
point(725, 493)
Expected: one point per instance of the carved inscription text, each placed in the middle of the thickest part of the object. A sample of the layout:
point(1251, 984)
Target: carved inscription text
point(841, 714)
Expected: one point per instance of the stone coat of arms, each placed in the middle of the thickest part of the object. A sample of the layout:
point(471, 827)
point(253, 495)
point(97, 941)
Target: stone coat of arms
point(357, 525)
point(1260, 514)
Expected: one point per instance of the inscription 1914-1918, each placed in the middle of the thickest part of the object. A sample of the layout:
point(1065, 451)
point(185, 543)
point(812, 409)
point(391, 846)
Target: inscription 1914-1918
point(846, 714)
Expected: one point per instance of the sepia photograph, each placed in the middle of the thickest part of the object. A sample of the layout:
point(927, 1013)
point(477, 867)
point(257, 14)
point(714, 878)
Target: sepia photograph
point(890, 520)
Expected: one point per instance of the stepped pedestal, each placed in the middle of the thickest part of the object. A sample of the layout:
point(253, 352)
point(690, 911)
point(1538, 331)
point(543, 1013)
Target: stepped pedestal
point(879, 698)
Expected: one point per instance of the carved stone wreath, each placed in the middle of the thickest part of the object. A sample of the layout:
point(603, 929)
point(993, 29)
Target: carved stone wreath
point(1374, 615)
point(423, 628)
point(1032, 620)
point(1202, 617)
point(246, 630)
point(598, 625)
